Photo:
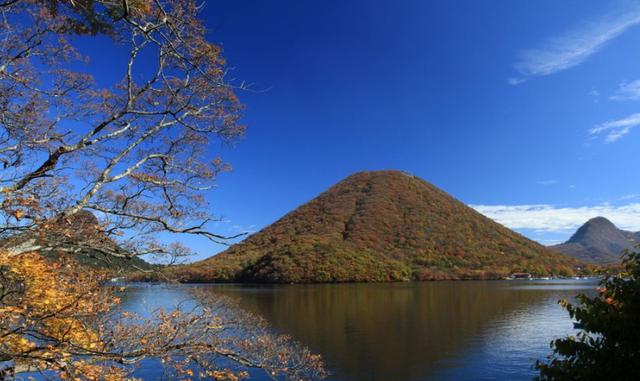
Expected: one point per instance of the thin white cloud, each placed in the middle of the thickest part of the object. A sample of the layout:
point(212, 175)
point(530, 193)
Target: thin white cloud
point(630, 196)
point(616, 129)
point(240, 229)
point(575, 46)
point(515, 80)
point(549, 218)
point(549, 242)
point(627, 91)
point(547, 182)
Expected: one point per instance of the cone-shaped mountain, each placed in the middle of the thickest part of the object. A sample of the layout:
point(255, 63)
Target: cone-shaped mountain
point(379, 226)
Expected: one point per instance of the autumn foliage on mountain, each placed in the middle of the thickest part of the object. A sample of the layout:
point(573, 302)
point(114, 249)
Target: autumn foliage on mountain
point(379, 226)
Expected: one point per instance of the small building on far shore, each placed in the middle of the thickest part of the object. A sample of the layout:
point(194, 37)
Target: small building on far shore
point(520, 276)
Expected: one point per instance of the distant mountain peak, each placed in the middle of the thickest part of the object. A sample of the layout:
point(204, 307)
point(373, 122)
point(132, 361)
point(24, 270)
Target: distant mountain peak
point(597, 226)
point(599, 241)
point(599, 220)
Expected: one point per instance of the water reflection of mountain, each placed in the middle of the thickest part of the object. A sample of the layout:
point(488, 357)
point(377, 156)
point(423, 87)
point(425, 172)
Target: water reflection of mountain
point(385, 331)
point(144, 298)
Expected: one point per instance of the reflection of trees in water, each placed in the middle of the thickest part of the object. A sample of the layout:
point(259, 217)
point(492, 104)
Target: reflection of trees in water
point(143, 298)
point(228, 336)
point(384, 331)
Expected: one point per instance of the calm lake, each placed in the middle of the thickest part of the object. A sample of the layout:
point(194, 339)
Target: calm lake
point(465, 330)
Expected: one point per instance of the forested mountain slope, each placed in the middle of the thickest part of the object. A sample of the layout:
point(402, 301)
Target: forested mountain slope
point(379, 226)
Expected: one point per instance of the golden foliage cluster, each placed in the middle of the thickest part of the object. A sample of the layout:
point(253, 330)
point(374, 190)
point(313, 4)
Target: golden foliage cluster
point(63, 319)
point(48, 317)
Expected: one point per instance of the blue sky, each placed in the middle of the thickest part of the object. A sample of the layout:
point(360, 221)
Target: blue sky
point(528, 111)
